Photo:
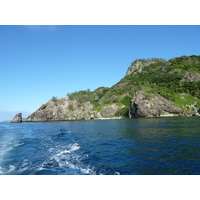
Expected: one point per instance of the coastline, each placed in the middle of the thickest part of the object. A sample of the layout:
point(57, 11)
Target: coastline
point(111, 118)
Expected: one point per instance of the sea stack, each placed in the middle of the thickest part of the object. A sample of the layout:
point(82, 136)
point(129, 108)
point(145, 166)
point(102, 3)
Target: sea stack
point(17, 118)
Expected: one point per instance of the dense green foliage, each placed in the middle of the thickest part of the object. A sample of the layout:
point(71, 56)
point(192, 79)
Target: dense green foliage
point(167, 78)
point(192, 88)
point(186, 63)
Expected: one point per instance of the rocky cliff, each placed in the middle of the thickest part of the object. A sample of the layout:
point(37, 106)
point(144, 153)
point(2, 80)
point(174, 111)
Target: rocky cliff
point(138, 66)
point(17, 118)
point(143, 105)
point(65, 109)
point(151, 88)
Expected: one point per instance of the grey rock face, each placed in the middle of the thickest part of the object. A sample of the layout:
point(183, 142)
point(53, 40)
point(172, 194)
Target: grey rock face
point(191, 76)
point(153, 106)
point(109, 110)
point(142, 104)
point(138, 66)
point(64, 109)
point(17, 118)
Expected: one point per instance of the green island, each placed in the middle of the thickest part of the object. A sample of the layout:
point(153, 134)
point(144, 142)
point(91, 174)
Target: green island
point(151, 88)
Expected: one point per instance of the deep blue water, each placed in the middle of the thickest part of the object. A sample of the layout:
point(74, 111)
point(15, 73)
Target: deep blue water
point(150, 146)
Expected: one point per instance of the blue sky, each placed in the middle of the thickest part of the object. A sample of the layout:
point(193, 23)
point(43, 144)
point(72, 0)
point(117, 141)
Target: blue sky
point(38, 62)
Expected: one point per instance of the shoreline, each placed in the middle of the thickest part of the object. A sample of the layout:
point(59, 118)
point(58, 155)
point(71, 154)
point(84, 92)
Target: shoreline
point(111, 118)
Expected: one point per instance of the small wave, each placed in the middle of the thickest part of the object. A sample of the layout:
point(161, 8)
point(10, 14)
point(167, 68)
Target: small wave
point(19, 144)
point(72, 148)
point(84, 169)
point(63, 133)
point(68, 161)
point(63, 152)
point(1, 170)
point(9, 146)
point(11, 168)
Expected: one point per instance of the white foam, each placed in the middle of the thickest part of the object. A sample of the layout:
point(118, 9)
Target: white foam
point(63, 152)
point(7, 147)
point(71, 148)
point(11, 168)
point(68, 160)
point(1, 172)
point(25, 162)
point(85, 170)
point(51, 150)
point(74, 147)
point(19, 144)
point(4, 151)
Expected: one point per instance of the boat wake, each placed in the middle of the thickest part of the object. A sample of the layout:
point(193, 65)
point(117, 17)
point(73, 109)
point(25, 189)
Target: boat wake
point(68, 161)
point(47, 155)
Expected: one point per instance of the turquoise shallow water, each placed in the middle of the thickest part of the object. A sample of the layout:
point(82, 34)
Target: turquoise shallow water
point(150, 146)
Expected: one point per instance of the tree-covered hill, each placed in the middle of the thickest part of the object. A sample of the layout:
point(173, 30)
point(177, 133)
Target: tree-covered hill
point(177, 79)
point(151, 87)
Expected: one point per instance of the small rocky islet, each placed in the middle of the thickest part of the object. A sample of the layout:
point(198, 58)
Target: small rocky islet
point(150, 88)
point(17, 118)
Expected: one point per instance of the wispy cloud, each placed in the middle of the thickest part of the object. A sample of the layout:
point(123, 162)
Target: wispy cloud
point(40, 28)
point(3, 106)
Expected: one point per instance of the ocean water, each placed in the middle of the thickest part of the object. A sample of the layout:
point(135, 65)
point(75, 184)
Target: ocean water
point(148, 146)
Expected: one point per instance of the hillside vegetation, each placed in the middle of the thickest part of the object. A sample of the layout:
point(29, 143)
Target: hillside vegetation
point(177, 79)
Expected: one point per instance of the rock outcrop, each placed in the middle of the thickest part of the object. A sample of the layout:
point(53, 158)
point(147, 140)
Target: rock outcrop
point(143, 105)
point(110, 110)
point(65, 109)
point(191, 76)
point(138, 66)
point(17, 118)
